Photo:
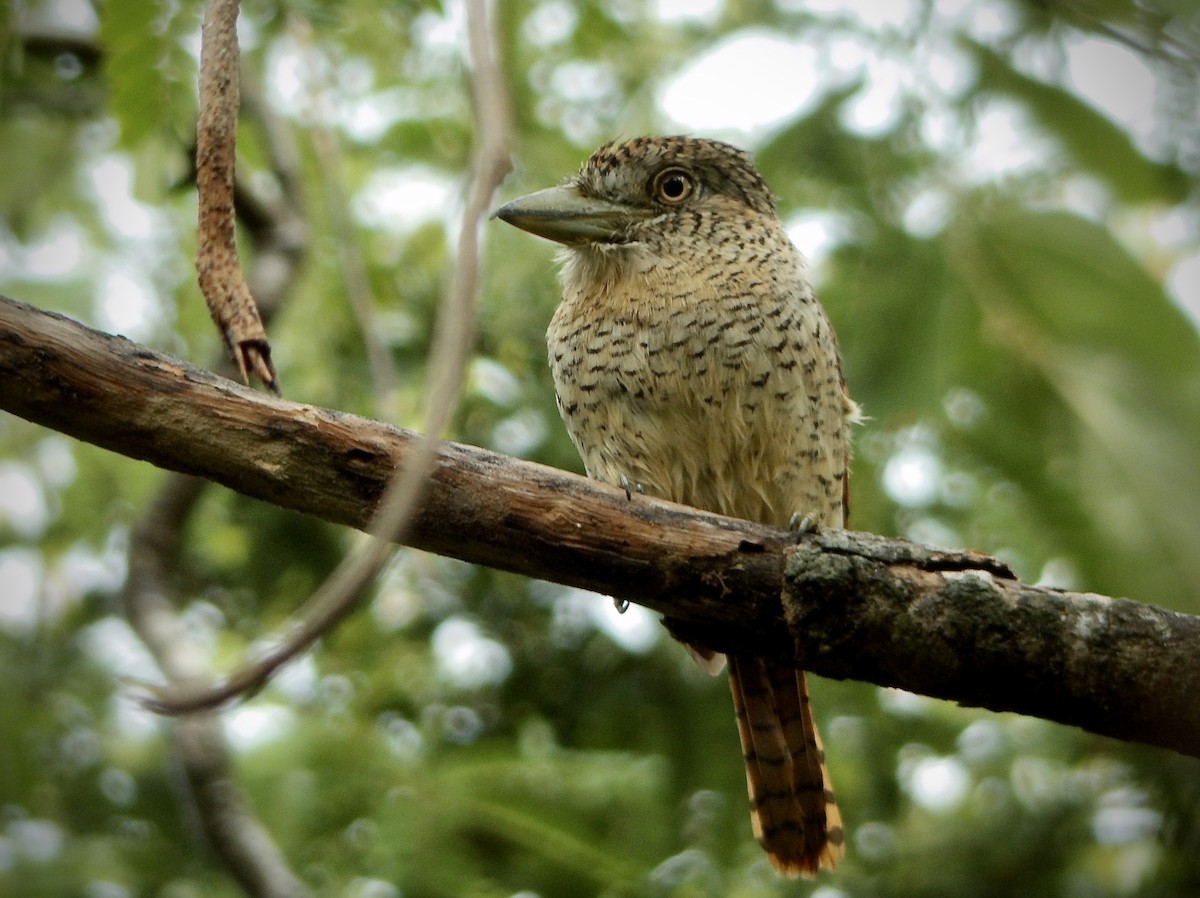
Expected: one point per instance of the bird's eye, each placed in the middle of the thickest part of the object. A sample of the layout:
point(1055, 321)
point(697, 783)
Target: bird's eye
point(672, 186)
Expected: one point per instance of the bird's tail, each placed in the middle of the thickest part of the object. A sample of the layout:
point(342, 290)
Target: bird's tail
point(792, 806)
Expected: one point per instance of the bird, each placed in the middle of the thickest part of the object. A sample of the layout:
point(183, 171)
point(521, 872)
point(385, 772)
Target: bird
point(692, 361)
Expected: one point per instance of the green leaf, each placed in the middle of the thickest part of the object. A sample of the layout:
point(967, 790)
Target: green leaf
point(1087, 358)
point(1076, 283)
point(150, 73)
point(1096, 143)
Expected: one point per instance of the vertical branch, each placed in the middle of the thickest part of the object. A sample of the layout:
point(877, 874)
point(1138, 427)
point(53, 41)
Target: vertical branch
point(341, 592)
point(351, 265)
point(276, 225)
point(220, 275)
point(490, 163)
point(237, 837)
point(278, 232)
point(353, 269)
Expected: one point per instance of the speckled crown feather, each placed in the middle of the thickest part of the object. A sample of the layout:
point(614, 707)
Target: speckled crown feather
point(717, 166)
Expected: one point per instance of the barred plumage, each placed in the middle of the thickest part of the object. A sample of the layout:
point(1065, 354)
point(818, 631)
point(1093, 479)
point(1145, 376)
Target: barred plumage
point(691, 358)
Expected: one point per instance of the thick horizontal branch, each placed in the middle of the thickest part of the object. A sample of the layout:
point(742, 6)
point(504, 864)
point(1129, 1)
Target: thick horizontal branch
point(946, 624)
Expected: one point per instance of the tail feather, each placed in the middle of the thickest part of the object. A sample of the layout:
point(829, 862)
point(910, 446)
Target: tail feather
point(792, 805)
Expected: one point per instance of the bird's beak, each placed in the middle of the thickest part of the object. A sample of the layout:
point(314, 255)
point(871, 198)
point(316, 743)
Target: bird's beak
point(565, 215)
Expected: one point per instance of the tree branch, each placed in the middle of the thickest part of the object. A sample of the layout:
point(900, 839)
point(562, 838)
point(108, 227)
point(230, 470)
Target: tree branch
point(220, 274)
point(453, 337)
point(220, 808)
point(223, 810)
point(953, 625)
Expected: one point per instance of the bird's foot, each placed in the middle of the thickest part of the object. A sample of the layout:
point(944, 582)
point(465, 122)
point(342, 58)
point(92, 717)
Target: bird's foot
point(803, 524)
point(630, 488)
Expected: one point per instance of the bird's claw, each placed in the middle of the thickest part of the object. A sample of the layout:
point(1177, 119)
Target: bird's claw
point(802, 524)
point(630, 488)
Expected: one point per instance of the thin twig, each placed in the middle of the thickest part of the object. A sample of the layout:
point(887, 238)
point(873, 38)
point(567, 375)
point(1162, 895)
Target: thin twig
point(351, 265)
point(236, 835)
point(453, 339)
point(217, 267)
point(353, 269)
point(278, 233)
point(275, 224)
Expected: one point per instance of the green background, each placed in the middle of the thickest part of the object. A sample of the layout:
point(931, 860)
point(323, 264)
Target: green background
point(1031, 391)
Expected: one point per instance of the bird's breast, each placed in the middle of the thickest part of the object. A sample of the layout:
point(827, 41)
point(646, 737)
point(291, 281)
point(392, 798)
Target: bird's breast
point(716, 395)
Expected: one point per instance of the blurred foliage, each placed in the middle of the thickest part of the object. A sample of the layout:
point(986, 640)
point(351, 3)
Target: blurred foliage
point(1032, 390)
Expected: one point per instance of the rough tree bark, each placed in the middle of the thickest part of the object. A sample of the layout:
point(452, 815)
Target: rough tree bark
point(953, 625)
point(220, 273)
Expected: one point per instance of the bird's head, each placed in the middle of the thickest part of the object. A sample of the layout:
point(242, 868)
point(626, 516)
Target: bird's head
point(654, 194)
